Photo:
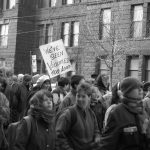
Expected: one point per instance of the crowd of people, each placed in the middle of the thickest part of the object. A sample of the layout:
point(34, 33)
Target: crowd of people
point(78, 114)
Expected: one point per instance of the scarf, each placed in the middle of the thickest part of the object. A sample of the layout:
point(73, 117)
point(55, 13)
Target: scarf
point(136, 106)
point(40, 113)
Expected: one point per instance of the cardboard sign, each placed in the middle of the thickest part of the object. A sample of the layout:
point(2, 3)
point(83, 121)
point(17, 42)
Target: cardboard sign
point(56, 58)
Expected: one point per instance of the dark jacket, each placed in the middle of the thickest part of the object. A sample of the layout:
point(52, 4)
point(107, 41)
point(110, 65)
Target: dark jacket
point(99, 111)
point(4, 118)
point(22, 95)
point(82, 134)
point(42, 137)
point(123, 131)
point(69, 100)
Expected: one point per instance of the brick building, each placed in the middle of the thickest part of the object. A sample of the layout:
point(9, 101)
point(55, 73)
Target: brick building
point(91, 31)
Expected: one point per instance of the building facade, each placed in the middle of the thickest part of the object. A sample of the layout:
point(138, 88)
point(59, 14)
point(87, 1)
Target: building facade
point(99, 35)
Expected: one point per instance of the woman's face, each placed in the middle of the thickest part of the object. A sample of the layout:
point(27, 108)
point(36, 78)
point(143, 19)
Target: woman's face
point(136, 93)
point(2, 89)
point(46, 85)
point(47, 103)
point(83, 100)
point(105, 80)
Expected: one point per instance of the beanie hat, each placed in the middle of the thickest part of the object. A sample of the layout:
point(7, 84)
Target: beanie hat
point(35, 78)
point(27, 78)
point(128, 84)
point(42, 79)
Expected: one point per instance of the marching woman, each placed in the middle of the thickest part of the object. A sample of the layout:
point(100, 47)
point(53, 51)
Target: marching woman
point(42, 132)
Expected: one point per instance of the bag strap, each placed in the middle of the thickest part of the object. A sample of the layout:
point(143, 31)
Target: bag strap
point(28, 121)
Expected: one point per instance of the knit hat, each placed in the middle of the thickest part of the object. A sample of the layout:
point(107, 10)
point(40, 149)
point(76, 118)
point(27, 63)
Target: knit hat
point(35, 78)
point(128, 84)
point(27, 78)
point(42, 79)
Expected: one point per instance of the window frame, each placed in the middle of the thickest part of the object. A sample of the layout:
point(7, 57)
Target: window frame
point(41, 35)
point(47, 35)
point(52, 3)
point(103, 24)
point(146, 68)
point(148, 21)
point(134, 22)
point(9, 2)
point(4, 36)
point(64, 35)
point(66, 2)
point(73, 34)
point(130, 59)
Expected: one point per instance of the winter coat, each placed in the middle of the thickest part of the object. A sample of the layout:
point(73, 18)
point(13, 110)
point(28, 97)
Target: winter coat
point(69, 100)
point(4, 118)
point(22, 95)
point(99, 111)
point(80, 136)
point(146, 104)
point(4, 108)
point(123, 130)
point(42, 137)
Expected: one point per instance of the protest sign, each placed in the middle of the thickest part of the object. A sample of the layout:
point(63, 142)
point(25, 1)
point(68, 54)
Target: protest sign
point(56, 58)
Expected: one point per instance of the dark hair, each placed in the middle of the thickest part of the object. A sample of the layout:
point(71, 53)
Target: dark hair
point(99, 82)
point(146, 86)
point(75, 80)
point(62, 81)
point(9, 73)
point(27, 78)
point(3, 82)
point(38, 98)
point(86, 87)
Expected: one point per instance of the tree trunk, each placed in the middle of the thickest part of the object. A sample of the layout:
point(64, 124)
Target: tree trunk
point(111, 72)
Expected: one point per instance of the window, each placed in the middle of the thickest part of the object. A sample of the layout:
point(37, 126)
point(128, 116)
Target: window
point(49, 33)
point(65, 2)
point(52, 3)
point(106, 20)
point(148, 21)
point(10, 4)
point(65, 33)
point(4, 35)
point(74, 34)
point(1, 5)
point(103, 67)
point(136, 29)
point(133, 66)
point(70, 33)
point(41, 35)
point(42, 3)
point(147, 68)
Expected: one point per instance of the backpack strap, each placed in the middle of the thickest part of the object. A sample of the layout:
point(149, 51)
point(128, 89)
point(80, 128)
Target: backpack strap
point(28, 121)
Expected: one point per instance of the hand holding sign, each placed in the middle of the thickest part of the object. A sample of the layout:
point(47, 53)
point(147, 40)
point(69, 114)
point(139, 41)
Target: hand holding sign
point(56, 58)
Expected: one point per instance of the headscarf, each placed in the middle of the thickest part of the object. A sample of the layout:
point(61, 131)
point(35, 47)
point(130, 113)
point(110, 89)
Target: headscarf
point(37, 110)
point(40, 113)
